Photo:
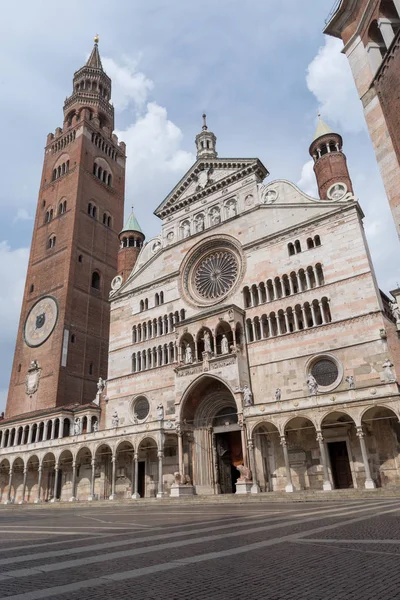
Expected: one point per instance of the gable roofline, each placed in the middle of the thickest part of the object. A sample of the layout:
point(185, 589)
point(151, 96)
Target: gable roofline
point(245, 166)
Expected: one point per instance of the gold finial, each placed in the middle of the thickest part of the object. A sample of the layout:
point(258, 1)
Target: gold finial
point(205, 122)
point(96, 38)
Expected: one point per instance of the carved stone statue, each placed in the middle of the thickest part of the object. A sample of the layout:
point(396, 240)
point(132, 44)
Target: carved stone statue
point(278, 394)
point(245, 474)
point(351, 382)
point(247, 396)
point(77, 426)
point(207, 342)
point(199, 223)
point(115, 419)
point(215, 216)
point(135, 418)
point(186, 229)
point(224, 345)
point(188, 354)
point(100, 385)
point(160, 412)
point(231, 207)
point(312, 385)
point(95, 426)
point(395, 309)
point(388, 374)
point(180, 479)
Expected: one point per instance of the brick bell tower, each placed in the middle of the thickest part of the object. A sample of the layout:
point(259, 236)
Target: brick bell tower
point(131, 240)
point(62, 342)
point(330, 164)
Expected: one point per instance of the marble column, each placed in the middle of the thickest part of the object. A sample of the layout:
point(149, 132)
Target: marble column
point(291, 285)
point(24, 486)
point(39, 490)
point(135, 494)
point(314, 317)
point(308, 280)
point(321, 308)
point(326, 486)
point(53, 428)
point(254, 488)
point(259, 295)
point(9, 500)
point(60, 428)
point(253, 328)
point(296, 320)
point(160, 493)
point(92, 480)
point(56, 469)
point(73, 497)
point(180, 453)
point(267, 293)
point(287, 322)
point(274, 289)
point(289, 485)
point(3, 439)
point(369, 483)
point(113, 477)
point(305, 322)
point(300, 287)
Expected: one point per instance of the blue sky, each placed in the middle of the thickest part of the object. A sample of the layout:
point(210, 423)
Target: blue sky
point(261, 70)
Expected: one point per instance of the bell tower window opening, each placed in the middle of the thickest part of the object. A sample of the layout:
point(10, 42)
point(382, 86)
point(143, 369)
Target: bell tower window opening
point(95, 280)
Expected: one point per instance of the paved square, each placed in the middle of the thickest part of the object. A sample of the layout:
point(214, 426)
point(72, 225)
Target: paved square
point(331, 550)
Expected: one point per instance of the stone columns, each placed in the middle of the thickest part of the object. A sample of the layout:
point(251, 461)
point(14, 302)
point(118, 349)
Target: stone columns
point(278, 323)
point(289, 485)
point(92, 481)
point(287, 322)
point(374, 56)
point(369, 483)
point(275, 289)
point(9, 500)
point(3, 439)
point(267, 293)
point(291, 285)
point(53, 428)
point(322, 311)
point(24, 486)
point(60, 428)
point(253, 300)
point(113, 477)
point(73, 497)
point(296, 320)
point(259, 295)
point(40, 472)
point(314, 317)
point(253, 328)
point(160, 493)
point(254, 488)
point(386, 29)
point(56, 468)
point(89, 424)
point(300, 287)
point(327, 487)
point(305, 323)
point(180, 453)
point(135, 494)
point(308, 280)
point(46, 429)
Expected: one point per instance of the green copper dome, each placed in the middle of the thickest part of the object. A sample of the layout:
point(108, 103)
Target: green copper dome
point(132, 224)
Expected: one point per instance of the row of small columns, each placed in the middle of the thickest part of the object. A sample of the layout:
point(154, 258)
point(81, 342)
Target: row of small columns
point(158, 327)
point(295, 318)
point(135, 494)
point(319, 154)
point(327, 486)
point(275, 288)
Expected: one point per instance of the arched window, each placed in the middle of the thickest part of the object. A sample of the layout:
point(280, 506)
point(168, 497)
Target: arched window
point(317, 240)
point(291, 249)
point(73, 338)
point(80, 258)
point(157, 300)
point(89, 209)
point(310, 243)
point(31, 288)
point(146, 304)
point(109, 180)
point(104, 218)
point(52, 242)
point(94, 212)
point(161, 297)
point(95, 280)
point(297, 246)
point(108, 221)
point(141, 306)
point(91, 369)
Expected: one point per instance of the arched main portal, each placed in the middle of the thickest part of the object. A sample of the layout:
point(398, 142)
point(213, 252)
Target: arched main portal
point(213, 438)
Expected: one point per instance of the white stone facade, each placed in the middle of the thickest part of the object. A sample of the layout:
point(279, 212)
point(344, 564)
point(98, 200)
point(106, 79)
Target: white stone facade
point(266, 345)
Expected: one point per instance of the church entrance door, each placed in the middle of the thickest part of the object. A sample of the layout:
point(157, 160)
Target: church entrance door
point(340, 465)
point(229, 452)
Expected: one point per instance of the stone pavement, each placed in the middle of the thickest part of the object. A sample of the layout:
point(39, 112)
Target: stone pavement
point(343, 549)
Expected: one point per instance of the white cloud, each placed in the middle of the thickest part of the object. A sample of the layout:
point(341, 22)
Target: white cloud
point(330, 79)
point(307, 182)
point(22, 215)
point(128, 85)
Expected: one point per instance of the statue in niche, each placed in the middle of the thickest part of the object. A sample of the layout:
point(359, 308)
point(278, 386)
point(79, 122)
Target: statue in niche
point(351, 382)
point(395, 310)
point(312, 385)
point(231, 208)
point(224, 345)
point(199, 223)
point(388, 374)
point(186, 229)
point(77, 426)
point(278, 394)
point(207, 342)
point(188, 354)
point(215, 216)
point(95, 426)
point(115, 419)
point(247, 396)
point(160, 412)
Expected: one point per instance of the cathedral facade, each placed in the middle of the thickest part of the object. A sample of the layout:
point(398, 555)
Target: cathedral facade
point(250, 349)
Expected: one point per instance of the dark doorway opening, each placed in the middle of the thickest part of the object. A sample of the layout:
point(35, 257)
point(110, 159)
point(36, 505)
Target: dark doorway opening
point(230, 455)
point(340, 465)
point(141, 478)
point(59, 484)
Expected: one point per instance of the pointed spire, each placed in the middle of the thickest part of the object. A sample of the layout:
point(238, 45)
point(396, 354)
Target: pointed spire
point(204, 128)
point(94, 60)
point(132, 224)
point(322, 129)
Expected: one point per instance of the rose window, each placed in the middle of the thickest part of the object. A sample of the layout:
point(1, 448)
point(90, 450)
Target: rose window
point(215, 275)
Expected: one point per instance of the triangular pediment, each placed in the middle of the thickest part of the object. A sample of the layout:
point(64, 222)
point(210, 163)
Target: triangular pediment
point(205, 177)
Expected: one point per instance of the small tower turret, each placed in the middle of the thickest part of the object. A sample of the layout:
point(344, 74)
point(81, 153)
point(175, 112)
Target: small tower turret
point(330, 164)
point(131, 241)
point(206, 142)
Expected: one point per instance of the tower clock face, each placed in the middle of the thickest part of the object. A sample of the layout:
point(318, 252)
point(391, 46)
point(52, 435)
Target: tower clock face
point(41, 320)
